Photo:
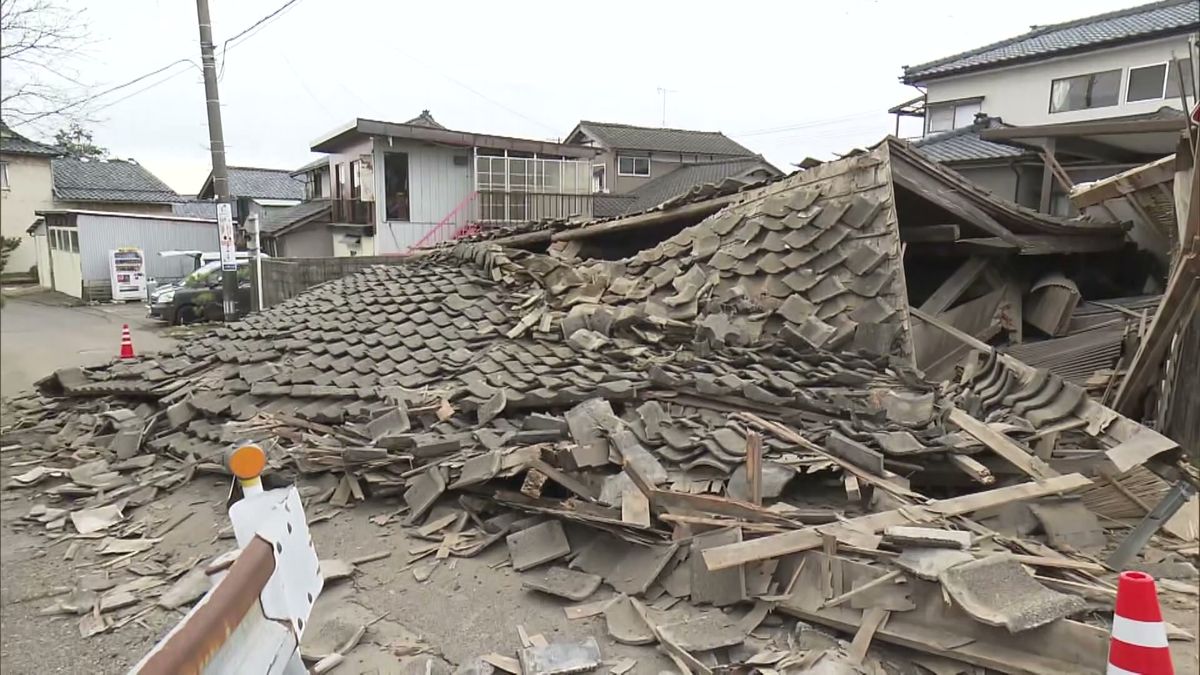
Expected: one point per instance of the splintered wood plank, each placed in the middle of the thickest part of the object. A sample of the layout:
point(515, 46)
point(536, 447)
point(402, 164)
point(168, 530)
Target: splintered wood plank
point(873, 618)
point(775, 545)
point(1002, 445)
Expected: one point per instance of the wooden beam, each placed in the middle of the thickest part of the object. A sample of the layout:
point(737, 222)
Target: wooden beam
point(754, 451)
point(1002, 445)
point(1085, 129)
point(773, 546)
point(929, 233)
point(696, 211)
point(953, 287)
point(1179, 301)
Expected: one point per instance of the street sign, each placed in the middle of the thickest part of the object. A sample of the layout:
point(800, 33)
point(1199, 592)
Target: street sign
point(225, 230)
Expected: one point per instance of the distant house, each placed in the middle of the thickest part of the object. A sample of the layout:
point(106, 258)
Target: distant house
point(109, 185)
point(417, 183)
point(640, 167)
point(1095, 96)
point(255, 190)
point(25, 188)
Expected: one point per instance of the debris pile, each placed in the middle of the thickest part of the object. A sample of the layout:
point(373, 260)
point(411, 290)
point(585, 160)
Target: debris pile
point(723, 429)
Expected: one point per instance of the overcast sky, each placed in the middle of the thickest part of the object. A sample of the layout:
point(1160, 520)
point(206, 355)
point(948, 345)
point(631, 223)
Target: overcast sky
point(786, 79)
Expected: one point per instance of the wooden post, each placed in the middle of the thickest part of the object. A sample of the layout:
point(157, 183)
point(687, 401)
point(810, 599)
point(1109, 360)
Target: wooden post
point(754, 467)
point(1047, 176)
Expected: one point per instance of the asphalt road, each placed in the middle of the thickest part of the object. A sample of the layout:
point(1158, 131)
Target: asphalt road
point(39, 336)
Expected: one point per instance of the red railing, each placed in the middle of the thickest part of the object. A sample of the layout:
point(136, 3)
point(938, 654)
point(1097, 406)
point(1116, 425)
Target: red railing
point(457, 223)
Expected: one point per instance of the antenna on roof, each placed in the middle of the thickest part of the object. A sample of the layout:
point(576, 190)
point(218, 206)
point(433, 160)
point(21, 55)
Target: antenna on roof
point(663, 91)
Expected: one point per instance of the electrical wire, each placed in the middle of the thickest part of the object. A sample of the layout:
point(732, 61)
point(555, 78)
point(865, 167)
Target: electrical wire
point(93, 97)
point(229, 44)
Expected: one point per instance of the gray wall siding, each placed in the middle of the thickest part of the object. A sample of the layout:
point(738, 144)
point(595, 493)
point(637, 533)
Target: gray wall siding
point(436, 186)
point(100, 234)
point(310, 241)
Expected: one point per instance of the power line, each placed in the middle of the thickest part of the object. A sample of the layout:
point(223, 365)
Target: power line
point(807, 125)
point(110, 90)
point(226, 46)
point(476, 92)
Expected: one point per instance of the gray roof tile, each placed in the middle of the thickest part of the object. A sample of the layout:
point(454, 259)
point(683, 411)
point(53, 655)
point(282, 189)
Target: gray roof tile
point(628, 137)
point(264, 183)
point(1135, 23)
point(12, 143)
point(965, 144)
point(112, 180)
point(276, 220)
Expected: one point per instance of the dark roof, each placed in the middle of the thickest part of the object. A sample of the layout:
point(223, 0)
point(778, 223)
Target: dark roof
point(608, 206)
point(12, 143)
point(111, 180)
point(277, 221)
point(245, 181)
point(629, 137)
point(965, 145)
point(689, 176)
point(425, 120)
point(1126, 25)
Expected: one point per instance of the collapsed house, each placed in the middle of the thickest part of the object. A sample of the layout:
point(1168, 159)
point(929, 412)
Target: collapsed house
point(738, 413)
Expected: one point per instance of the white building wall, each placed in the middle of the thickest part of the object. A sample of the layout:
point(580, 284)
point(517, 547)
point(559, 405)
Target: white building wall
point(29, 190)
point(1020, 94)
point(68, 277)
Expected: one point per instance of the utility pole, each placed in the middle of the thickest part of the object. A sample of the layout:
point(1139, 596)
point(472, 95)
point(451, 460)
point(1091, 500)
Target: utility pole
point(220, 173)
point(663, 91)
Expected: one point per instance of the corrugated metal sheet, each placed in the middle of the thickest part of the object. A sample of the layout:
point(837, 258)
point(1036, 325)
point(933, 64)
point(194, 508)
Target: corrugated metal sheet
point(99, 234)
point(1100, 314)
point(435, 184)
point(1074, 357)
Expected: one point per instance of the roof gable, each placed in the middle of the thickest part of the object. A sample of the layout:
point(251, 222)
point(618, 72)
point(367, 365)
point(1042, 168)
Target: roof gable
point(629, 137)
point(1127, 25)
point(111, 180)
point(246, 181)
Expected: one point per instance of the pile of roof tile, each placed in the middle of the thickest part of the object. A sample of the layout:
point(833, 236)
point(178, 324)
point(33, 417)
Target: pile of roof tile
point(693, 422)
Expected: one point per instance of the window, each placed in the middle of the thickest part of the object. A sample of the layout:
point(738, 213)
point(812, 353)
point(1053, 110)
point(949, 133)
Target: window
point(73, 237)
point(4, 176)
point(1189, 80)
point(1146, 83)
point(395, 183)
point(1094, 90)
point(355, 180)
point(599, 178)
point(953, 115)
point(633, 166)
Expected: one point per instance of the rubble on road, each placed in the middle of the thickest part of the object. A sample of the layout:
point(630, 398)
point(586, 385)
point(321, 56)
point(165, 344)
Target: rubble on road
point(722, 429)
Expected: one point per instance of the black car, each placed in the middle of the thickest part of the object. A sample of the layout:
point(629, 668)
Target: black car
point(199, 297)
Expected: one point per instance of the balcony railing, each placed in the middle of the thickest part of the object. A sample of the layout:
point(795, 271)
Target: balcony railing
point(353, 212)
point(518, 207)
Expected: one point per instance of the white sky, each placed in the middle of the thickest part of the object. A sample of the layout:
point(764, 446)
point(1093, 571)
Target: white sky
point(827, 71)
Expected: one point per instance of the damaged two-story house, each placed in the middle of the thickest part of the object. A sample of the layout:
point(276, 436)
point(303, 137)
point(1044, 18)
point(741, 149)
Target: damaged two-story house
point(403, 185)
point(638, 168)
point(1030, 116)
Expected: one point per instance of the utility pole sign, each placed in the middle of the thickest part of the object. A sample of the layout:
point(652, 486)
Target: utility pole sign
point(220, 173)
point(225, 229)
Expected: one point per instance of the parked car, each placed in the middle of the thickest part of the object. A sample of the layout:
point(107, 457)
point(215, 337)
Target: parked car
point(199, 296)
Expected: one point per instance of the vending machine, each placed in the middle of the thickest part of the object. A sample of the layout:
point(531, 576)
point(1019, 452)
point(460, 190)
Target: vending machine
point(127, 270)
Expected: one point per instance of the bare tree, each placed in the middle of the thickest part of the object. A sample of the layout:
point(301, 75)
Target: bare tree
point(38, 41)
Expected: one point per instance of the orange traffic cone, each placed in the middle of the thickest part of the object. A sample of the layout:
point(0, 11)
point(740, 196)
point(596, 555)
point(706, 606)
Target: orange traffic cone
point(1139, 636)
point(126, 342)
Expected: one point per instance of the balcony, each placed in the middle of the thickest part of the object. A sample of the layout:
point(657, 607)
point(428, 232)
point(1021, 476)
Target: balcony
point(353, 212)
point(524, 189)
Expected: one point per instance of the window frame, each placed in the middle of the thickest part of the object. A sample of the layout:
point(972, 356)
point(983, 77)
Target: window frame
point(4, 184)
point(1129, 81)
point(1121, 80)
point(634, 159)
point(953, 105)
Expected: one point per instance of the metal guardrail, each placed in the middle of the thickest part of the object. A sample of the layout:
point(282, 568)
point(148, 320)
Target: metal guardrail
point(253, 618)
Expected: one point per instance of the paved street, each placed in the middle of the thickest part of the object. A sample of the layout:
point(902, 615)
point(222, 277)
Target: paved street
point(37, 336)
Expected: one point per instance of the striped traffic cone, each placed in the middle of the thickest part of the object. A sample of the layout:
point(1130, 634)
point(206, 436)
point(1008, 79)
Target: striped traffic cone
point(126, 342)
point(1139, 636)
